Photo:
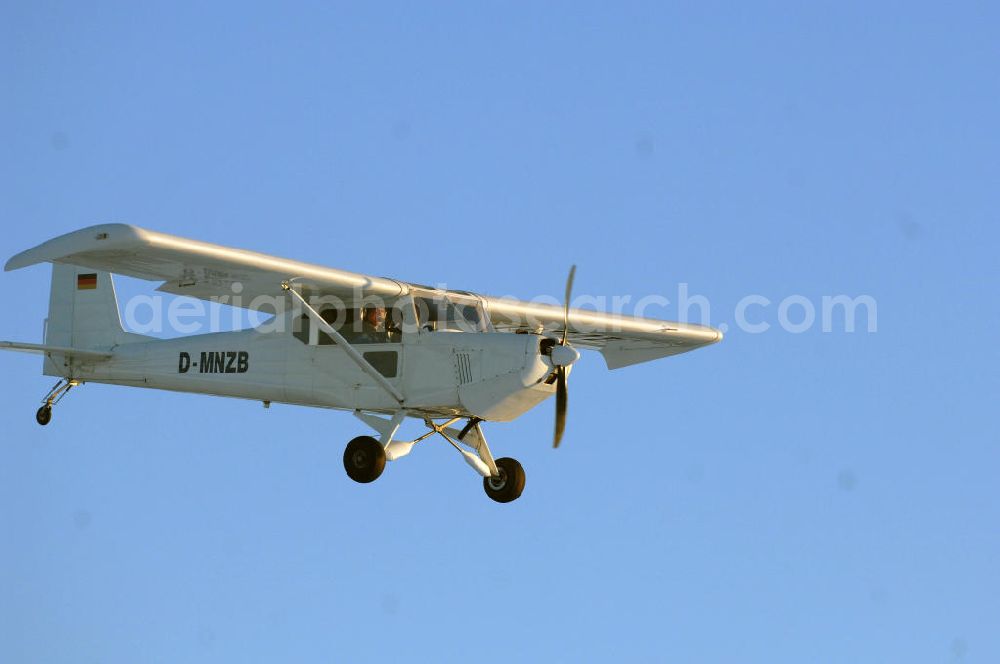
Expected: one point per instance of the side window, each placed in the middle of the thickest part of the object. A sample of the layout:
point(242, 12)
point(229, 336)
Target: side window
point(301, 327)
point(427, 314)
point(333, 317)
point(386, 362)
point(368, 325)
point(373, 325)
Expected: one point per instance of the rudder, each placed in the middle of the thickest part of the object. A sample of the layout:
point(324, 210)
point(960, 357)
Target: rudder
point(83, 309)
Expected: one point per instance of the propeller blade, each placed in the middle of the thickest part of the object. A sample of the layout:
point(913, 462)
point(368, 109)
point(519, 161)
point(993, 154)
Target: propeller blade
point(560, 405)
point(569, 292)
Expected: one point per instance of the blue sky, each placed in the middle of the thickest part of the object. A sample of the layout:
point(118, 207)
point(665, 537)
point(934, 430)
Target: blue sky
point(812, 497)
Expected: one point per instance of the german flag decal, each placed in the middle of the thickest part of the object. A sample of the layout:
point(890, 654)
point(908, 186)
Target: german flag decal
point(86, 281)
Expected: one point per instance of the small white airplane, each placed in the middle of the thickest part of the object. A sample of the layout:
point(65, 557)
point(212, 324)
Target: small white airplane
point(381, 348)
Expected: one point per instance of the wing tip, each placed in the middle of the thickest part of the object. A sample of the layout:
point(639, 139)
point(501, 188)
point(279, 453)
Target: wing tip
point(23, 259)
point(77, 241)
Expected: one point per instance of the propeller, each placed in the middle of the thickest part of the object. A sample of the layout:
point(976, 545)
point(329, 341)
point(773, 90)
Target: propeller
point(562, 356)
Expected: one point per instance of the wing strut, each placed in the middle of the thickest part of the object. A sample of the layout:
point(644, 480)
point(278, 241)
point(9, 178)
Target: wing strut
point(351, 351)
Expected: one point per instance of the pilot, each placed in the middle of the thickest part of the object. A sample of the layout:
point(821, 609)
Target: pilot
point(372, 326)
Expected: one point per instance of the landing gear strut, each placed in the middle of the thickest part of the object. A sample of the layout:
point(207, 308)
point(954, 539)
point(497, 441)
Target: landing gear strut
point(365, 457)
point(44, 414)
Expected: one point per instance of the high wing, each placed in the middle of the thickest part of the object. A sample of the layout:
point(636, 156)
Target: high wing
point(622, 340)
point(206, 271)
point(193, 268)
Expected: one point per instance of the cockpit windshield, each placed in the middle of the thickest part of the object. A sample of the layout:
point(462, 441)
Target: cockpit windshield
point(457, 313)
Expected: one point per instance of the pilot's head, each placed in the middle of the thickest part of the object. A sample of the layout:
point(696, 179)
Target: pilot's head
point(374, 316)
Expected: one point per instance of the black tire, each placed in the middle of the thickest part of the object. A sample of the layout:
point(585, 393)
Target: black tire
point(364, 459)
point(509, 485)
point(44, 415)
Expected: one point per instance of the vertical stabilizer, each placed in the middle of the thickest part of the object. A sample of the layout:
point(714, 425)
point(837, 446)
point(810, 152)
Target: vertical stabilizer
point(83, 309)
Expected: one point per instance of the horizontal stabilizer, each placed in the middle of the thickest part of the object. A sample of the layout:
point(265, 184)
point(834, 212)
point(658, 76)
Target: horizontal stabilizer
point(94, 355)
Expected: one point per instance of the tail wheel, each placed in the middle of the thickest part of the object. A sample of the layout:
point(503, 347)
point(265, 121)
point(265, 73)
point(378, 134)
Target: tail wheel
point(44, 415)
point(364, 459)
point(509, 484)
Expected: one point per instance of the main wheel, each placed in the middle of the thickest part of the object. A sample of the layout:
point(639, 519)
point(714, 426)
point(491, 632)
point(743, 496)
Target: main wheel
point(509, 485)
point(364, 459)
point(44, 415)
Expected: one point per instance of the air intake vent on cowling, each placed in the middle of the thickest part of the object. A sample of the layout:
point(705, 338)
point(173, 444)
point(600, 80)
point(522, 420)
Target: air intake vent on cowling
point(463, 368)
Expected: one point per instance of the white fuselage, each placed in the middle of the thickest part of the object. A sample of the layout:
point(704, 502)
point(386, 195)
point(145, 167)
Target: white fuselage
point(490, 375)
